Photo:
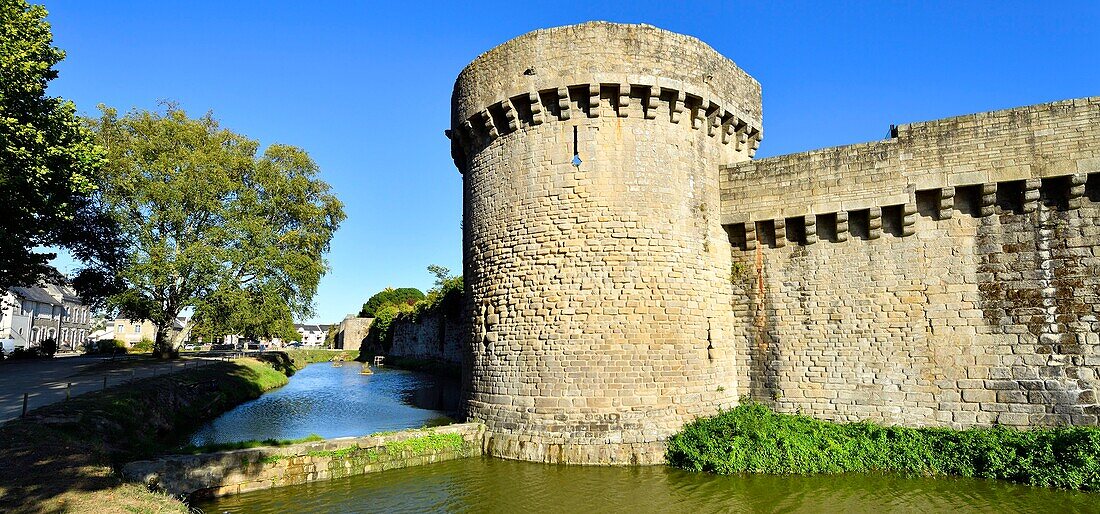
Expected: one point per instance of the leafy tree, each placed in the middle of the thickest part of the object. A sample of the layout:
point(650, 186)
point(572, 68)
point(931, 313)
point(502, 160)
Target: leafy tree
point(48, 347)
point(390, 296)
point(49, 166)
point(239, 237)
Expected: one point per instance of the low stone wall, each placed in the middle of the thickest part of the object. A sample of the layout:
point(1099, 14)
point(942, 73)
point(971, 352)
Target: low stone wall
point(241, 471)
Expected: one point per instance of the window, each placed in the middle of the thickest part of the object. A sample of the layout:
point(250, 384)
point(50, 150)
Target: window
point(119, 329)
point(137, 329)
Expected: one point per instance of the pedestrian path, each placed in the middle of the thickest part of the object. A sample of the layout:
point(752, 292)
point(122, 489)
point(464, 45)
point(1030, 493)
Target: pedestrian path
point(52, 380)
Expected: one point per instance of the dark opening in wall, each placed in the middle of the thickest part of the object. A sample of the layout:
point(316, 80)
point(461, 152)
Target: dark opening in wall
point(736, 235)
point(500, 121)
point(928, 203)
point(796, 230)
point(826, 227)
point(892, 217)
point(549, 100)
point(765, 232)
point(1054, 192)
point(859, 223)
point(1010, 196)
point(968, 200)
point(523, 110)
point(1092, 187)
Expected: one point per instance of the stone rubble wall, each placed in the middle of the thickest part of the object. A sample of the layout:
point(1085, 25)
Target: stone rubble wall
point(973, 300)
point(254, 469)
point(434, 337)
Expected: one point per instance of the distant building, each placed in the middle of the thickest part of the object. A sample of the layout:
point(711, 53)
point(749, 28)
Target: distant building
point(30, 315)
point(312, 335)
point(133, 331)
point(351, 332)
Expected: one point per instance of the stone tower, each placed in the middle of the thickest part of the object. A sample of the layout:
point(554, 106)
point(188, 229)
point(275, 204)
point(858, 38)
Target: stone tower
point(597, 270)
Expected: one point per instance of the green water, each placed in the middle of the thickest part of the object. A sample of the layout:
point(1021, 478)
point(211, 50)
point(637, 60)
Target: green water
point(491, 485)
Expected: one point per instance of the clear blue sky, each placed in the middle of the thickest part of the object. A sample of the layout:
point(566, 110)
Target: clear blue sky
point(365, 88)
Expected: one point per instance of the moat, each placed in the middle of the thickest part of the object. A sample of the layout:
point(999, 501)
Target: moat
point(338, 401)
point(483, 484)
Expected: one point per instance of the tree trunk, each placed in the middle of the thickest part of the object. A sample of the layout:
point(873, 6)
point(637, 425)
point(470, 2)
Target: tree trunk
point(163, 347)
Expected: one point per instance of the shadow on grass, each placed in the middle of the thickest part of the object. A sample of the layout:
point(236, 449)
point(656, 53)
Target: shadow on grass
point(60, 454)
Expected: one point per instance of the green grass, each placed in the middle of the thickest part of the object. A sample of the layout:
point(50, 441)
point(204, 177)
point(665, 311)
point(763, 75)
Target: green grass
point(753, 439)
point(241, 445)
point(65, 452)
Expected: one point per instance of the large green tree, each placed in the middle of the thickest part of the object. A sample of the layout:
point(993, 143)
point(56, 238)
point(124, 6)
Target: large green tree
point(49, 165)
point(212, 225)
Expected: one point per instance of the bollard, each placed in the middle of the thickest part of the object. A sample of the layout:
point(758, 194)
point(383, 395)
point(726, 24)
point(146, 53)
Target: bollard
point(105, 381)
point(24, 406)
point(68, 391)
point(133, 374)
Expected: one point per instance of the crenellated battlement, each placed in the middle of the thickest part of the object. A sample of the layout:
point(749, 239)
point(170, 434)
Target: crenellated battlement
point(972, 164)
point(654, 98)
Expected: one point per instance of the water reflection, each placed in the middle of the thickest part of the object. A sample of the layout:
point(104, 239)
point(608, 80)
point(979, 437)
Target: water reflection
point(335, 401)
point(492, 485)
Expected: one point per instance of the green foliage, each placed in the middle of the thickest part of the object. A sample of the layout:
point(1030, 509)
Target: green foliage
point(49, 166)
point(143, 346)
point(48, 347)
point(753, 439)
point(430, 443)
point(210, 224)
point(738, 270)
point(106, 347)
point(390, 296)
point(380, 333)
point(240, 445)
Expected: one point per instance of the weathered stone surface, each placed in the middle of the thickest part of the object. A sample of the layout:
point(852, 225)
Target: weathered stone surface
point(629, 268)
point(239, 471)
point(599, 293)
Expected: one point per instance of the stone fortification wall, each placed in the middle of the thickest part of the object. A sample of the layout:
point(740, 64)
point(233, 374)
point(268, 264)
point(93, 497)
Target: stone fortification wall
point(435, 336)
point(947, 276)
point(254, 469)
point(597, 293)
point(351, 332)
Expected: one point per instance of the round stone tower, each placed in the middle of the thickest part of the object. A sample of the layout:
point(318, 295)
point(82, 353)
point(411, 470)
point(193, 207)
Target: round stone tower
point(597, 269)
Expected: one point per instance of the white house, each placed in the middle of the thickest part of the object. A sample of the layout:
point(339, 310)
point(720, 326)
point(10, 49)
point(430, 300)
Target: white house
point(30, 315)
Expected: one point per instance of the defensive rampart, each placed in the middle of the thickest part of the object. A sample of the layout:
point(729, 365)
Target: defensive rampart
point(629, 268)
point(595, 263)
point(948, 275)
point(434, 336)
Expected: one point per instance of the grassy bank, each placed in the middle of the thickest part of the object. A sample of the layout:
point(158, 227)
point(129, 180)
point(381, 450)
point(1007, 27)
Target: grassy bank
point(291, 361)
point(61, 457)
point(753, 439)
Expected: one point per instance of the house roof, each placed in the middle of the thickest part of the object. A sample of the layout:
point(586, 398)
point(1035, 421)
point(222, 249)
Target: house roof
point(312, 327)
point(35, 294)
point(66, 293)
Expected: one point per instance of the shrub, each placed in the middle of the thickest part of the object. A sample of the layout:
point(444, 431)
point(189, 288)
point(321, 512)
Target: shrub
point(20, 353)
point(48, 347)
point(105, 347)
point(753, 439)
point(143, 346)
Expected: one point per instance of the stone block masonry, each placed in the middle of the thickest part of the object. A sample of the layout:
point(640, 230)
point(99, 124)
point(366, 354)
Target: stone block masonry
point(947, 276)
point(253, 469)
point(629, 267)
point(595, 264)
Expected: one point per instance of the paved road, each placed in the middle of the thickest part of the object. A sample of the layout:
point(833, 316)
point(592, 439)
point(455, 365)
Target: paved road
point(45, 381)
